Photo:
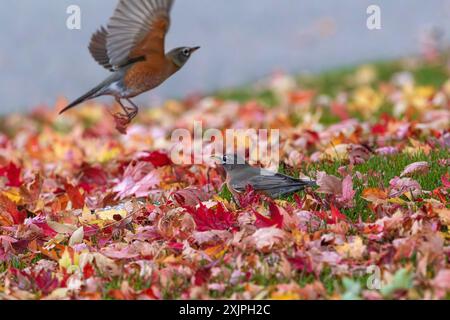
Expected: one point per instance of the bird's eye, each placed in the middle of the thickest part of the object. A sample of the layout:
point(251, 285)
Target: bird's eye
point(186, 52)
point(225, 159)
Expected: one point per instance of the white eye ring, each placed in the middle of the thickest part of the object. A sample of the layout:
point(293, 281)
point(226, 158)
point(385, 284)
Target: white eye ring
point(186, 52)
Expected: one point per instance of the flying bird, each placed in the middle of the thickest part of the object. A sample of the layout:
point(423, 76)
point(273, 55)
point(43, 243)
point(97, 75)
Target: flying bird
point(132, 47)
point(240, 175)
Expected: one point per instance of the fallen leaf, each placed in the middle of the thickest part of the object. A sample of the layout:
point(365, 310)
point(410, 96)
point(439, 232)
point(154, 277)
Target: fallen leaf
point(414, 168)
point(77, 237)
point(61, 228)
point(266, 239)
point(374, 195)
point(329, 184)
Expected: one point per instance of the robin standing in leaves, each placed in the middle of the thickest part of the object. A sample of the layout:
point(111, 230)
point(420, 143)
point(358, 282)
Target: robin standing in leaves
point(240, 175)
point(132, 47)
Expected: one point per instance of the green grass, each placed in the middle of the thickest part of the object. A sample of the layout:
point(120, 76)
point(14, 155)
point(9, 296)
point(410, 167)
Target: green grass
point(332, 82)
point(265, 97)
point(225, 193)
point(380, 170)
point(114, 284)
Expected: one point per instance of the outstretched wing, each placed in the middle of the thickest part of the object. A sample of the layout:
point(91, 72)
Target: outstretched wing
point(138, 28)
point(98, 50)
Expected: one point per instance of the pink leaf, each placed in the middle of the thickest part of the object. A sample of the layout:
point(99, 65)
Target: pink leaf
point(138, 179)
point(328, 184)
point(445, 180)
point(347, 190)
point(416, 167)
point(400, 186)
point(190, 197)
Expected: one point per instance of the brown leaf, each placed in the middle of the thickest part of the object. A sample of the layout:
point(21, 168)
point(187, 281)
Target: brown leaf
point(329, 184)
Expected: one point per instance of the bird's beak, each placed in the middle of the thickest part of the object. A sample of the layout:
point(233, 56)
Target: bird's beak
point(194, 49)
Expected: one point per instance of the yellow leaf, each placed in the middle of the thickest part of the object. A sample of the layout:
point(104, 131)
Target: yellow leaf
point(216, 252)
point(108, 154)
point(40, 205)
point(87, 216)
point(110, 213)
point(69, 262)
point(57, 294)
point(289, 295)
point(444, 215)
point(354, 249)
point(13, 194)
point(65, 262)
point(397, 201)
point(336, 152)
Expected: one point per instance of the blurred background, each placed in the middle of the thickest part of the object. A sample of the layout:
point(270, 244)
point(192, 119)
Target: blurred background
point(41, 60)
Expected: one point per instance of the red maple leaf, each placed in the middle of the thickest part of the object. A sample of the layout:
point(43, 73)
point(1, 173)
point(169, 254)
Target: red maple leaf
point(208, 219)
point(202, 276)
point(157, 158)
point(248, 198)
point(9, 210)
point(88, 271)
point(92, 177)
point(336, 215)
point(75, 196)
point(45, 281)
point(379, 129)
point(176, 246)
point(298, 201)
point(301, 264)
point(276, 219)
point(12, 172)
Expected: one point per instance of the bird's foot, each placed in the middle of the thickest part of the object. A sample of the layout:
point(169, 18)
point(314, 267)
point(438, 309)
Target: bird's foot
point(122, 122)
point(124, 119)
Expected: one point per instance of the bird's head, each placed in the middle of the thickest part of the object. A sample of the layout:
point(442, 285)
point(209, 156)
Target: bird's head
point(180, 56)
point(231, 161)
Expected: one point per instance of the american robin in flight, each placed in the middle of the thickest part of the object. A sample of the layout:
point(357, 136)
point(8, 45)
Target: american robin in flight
point(240, 175)
point(132, 47)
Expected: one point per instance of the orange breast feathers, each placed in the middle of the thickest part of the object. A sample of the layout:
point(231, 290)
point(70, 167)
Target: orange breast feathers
point(144, 76)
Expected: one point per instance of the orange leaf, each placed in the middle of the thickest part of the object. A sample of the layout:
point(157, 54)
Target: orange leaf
point(75, 196)
point(374, 194)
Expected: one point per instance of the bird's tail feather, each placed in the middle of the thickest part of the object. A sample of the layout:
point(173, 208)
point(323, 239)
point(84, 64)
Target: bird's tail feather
point(90, 95)
point(310, 183)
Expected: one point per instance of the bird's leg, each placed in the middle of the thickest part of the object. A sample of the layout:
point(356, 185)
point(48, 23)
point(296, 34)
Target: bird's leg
point(130, 113)
point(122, 120)
point(133, 110)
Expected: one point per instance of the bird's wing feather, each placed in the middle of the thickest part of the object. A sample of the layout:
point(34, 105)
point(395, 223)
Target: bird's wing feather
point(269, 182)
point(98, 50)
point(138, 28)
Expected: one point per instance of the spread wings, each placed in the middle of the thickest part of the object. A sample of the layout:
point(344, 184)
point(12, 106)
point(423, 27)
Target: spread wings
point(138, 28)
point(98, 50)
